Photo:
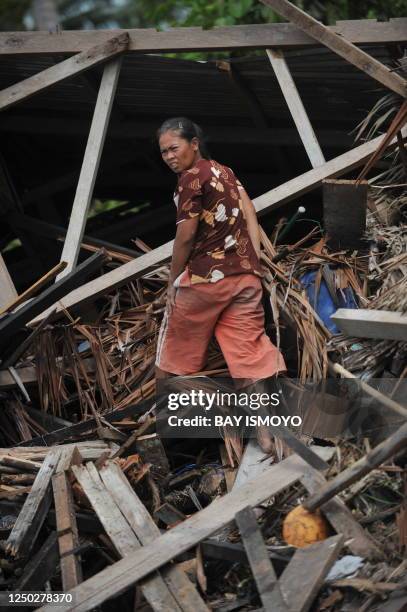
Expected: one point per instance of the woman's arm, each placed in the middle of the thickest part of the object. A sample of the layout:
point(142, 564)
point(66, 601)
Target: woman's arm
point(251, 220)
point(183, 243)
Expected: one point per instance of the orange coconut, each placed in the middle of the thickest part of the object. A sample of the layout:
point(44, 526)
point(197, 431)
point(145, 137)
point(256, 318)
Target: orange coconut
point(302, 528)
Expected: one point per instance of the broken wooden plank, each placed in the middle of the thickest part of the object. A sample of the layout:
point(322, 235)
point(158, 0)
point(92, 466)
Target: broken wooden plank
point(150, 40)
point(339, 45)
point(68, 538)
point(383, 451)
point(106, 510)
point(147, 531)
point(23, 465)
point(297, 110)
point(305, 574)
point(29, 522)
point(64, 70)
point(235, 553)
point(7, 289)
point(121, 534)
point(378, 395)
point(14, 322)
point(341, 518)
point(90, 165)
point(28, 293)
point(252, 465)
point(73, 431)
point(265, 203)
point(118, 577)
point(259, 560)
point(41, 568)
point(365, 323)
point(27, 374)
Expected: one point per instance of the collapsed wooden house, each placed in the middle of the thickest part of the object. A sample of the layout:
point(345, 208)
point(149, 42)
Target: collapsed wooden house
point(283, 119)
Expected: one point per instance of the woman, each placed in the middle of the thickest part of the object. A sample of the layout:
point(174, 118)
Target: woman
point(214, 286)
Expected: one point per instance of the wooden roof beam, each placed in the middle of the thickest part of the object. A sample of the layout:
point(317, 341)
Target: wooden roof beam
point(260, 36)
point(90, 166)
point(323, 35)
point(297, 110)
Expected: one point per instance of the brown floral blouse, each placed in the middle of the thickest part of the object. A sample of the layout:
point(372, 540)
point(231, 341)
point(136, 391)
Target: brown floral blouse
point(222, 244)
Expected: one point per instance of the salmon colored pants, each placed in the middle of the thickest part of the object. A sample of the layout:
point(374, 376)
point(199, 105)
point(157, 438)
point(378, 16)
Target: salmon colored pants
point(232, 310)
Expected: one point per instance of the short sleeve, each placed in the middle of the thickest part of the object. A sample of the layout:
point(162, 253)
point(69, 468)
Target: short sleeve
point(238, 183)
point(189, 195)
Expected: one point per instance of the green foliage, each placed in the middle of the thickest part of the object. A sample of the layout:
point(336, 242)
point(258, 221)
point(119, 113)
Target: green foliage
point(102, 206)
point(99, 206)
point(161, 14)
point(210, 13)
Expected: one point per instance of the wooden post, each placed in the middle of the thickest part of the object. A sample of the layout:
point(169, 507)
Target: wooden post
point(260, 564)
point(340, 45)
point(8, 292)
point(68, 539)
point(297, 110)
point(345, 205)
point(29, 522)
point(90, 165)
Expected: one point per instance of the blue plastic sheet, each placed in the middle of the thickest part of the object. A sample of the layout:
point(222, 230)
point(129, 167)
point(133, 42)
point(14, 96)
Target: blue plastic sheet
point(325, 305)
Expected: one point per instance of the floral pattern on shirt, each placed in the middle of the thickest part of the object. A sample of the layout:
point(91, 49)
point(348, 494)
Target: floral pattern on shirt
point(222, 245)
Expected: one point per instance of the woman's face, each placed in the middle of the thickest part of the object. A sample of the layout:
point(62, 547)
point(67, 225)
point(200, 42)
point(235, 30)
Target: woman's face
point(178, 153)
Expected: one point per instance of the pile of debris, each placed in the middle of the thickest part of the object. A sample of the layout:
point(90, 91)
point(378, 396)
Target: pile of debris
point(98, 510)
point(86, 479)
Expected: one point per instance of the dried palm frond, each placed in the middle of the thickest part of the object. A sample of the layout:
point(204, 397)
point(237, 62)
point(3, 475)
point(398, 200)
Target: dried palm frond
point(388, 187)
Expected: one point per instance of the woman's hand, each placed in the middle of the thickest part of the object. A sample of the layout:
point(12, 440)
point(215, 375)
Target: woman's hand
point(171, 291)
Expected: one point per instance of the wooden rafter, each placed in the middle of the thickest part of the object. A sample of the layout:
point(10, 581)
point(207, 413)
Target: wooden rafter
point(90, 165)
point(260, 36)
point(339, 45)
point(297, 110)
point(62, 71)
